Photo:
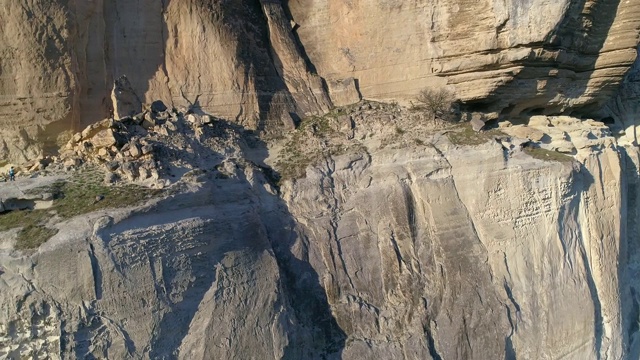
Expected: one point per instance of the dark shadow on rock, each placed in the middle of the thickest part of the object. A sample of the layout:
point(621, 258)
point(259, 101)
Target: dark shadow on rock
point(629, 253)
point(255, 52)
point(313, 331)
point(318, 333)
point(304, 291)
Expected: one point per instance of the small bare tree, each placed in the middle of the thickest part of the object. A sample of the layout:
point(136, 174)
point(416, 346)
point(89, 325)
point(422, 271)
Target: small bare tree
point(438, 103)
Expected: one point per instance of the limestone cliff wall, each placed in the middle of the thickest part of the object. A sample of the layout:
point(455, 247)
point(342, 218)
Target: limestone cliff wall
point(262, 63)
point(433, 253)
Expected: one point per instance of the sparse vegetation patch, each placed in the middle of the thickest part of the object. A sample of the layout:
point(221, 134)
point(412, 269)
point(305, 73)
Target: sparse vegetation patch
point(465, 135)
point(34, 232)
point(79, 195)
point(547, 155)
point(316, 137)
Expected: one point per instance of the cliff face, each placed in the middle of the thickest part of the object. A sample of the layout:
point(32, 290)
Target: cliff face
point(263, 63)
point(437, 252)
point(508, 56)
point(232, 58)
point(398, 243)
point(430, 251)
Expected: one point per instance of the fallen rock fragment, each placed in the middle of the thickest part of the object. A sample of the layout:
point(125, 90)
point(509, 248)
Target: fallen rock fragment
point(125, 101)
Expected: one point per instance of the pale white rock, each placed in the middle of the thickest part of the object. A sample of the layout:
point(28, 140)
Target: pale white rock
point(439, 251)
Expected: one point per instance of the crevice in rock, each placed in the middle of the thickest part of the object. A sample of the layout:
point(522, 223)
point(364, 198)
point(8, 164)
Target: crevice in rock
point(96, 271)
point(335, 217)
point(507, 289)
point(411, 213)
point(598, 321)
point(431, 343)
point(396, 250)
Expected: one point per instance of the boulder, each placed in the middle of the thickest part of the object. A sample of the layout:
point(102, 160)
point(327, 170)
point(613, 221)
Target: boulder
point(104, 139)
point(134, 151)
point(149, 121)
point(147, 149)
point(112, 165)
point(139, 118)
point(125, 100)
point(130, 171)
point(193, 119)
point(158, 106)
point(76, 137)
point(476, 124)
point(35, 167)
point(88, 132)
point(563, 146)
point(525, 132)
point(103, 152)
point(72, 162)
point(344, 92)
point(539, 121)
point(110, 178)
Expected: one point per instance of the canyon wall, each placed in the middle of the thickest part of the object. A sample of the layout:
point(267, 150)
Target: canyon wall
point(265, 63)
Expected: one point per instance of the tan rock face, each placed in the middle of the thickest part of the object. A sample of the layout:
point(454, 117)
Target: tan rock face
point(38, 85)
point(59, 61)
point(513, 55)
point(252, 64)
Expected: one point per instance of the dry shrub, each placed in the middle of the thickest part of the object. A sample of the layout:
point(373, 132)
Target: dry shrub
point(438, 103)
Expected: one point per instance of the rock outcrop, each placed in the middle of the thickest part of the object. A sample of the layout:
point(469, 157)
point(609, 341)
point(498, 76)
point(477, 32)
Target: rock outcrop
point(419, 247)
point(623, 109)
point(124, 99)
point(267, 63)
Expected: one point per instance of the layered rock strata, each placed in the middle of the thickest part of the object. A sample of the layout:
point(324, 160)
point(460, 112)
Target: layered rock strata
point(513, 57)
